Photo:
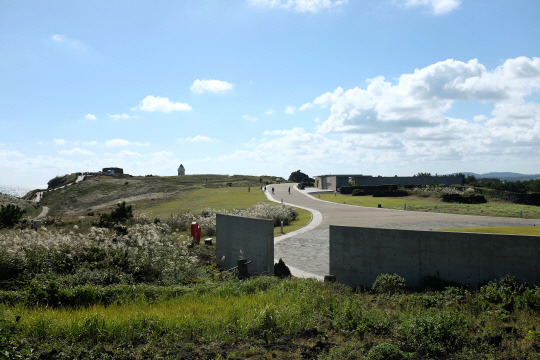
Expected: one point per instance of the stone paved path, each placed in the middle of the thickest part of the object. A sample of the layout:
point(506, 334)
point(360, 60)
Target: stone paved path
point(306, 251)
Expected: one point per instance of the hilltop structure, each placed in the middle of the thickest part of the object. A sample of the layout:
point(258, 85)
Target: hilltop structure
point(113, 171)
point(181, 170)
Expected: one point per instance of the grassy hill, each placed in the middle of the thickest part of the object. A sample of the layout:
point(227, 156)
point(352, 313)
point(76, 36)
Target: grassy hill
point(160, 195)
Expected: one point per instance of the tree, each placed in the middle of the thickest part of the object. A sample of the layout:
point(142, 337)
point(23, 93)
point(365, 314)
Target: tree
point(121, 214)
point(299, 177)
point(10, 215)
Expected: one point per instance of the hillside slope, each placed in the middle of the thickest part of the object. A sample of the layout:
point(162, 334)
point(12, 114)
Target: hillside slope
point(100, 193)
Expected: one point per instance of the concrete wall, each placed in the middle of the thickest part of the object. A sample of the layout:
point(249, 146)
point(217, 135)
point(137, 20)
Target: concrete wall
point(245, 238)
point(358, 255)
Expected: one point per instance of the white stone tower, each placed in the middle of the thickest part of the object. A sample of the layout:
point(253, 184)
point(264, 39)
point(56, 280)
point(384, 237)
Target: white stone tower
point(181, 170)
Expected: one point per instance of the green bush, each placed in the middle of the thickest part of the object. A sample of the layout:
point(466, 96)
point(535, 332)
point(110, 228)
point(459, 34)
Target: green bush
point(388, 284)
point(507, 293)
point(10, 215)
point(436, 333)
point(358, 192)
point(354, 317)
point(120, 215)
point(385, 351)
point(464, 199)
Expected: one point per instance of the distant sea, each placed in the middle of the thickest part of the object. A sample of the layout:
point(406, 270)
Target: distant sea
point(18, 191)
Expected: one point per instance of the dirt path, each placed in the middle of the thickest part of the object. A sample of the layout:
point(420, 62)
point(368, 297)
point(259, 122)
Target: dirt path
point(44, 213)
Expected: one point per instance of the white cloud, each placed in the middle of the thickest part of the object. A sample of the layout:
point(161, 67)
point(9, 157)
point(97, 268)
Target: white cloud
point(290, 110)
point(480, 118)
point(407, 121)
point(197, 138)
point(422, 98)
point(305, 106)
point(90, 117)
point(269, 112)
point(250, 118)
point(76, 151)
point(73, 44)
point(438, 7)
point(59, 141)
point(301, 6)
point(122, 142)
point(116, 117)
point(162, 104)
point(215, 86)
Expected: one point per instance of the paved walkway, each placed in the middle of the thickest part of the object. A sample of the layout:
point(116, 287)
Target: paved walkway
point(306, 251)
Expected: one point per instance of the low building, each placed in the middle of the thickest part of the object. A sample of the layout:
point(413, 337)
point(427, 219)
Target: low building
point(113, 171)
point(334, 182)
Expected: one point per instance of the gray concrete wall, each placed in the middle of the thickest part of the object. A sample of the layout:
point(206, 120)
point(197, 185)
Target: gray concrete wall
point(245, 238)
point(359, 255)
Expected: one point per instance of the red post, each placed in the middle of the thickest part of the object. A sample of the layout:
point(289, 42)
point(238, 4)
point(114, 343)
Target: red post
point(198, 236)
point(194, 229)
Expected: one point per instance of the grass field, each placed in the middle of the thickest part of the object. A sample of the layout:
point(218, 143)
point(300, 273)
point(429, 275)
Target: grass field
point(514, 230)
point(269, 318)
point(430, 204)
point(224, 198)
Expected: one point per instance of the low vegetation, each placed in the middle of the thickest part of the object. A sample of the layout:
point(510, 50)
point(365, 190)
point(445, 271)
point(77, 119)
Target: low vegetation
point(430, 199)
point(10, 215)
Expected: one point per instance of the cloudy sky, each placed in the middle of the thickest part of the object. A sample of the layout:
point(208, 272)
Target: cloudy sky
point(378, 87)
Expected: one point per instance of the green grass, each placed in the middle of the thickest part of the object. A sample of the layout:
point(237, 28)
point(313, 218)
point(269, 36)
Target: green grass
point(267, 317)
point(430, 204)
point(514, 230)
point(304, 218)
point(225, 198)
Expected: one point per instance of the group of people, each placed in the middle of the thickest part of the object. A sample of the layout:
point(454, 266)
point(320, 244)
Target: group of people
point(273, 189)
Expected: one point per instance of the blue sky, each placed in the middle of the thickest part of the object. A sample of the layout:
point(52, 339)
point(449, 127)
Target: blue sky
point(379, 87)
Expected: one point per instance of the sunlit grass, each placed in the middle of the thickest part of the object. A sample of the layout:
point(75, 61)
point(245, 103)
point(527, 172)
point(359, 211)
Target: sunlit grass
point(226, 198)
point(304, 218)
point(514, 230)
point(432, 204)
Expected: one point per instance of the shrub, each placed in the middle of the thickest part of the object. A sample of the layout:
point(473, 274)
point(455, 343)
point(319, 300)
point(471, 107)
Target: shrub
point(120, 215)
point(508, 294)
point(10, 215)
point(435, 333)
point(385, 351)
point(388, 284)
point(464, 199)
point(354, 317)
point(60, 181)
point(358, 192)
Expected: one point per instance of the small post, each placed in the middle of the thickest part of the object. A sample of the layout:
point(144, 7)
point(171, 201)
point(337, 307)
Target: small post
point(242, 269)
point(329, 278)
point(405, 206)
point(282, 228)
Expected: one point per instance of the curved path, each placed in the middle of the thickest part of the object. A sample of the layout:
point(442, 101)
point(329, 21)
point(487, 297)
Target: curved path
point(306, 251)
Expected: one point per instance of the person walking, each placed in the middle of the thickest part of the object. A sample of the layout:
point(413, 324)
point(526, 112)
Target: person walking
point(289, 190)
